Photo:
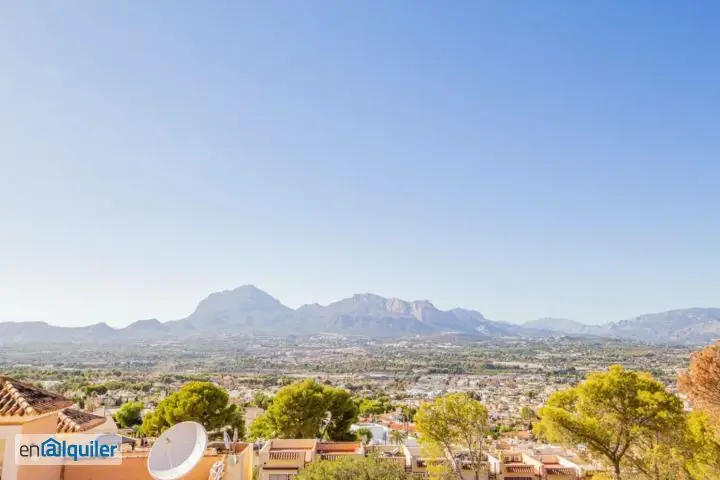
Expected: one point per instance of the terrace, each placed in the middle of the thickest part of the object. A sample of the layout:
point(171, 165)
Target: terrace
point(557, 471)
point(286, 457)
point(518, 466)
point(390, 453)
point(336, 450)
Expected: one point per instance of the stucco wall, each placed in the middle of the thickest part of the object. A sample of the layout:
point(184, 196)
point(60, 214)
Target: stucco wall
point(46, 424)
point(242, 470)
point(7, 433)
point(134, 468)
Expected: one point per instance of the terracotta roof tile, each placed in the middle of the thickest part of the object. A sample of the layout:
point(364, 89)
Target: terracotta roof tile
point(72, 421)
point(21, 399)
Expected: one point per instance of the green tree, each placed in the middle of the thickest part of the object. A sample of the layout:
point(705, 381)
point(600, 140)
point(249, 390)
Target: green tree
point(129, 414)
point(408, 413)
point(702, 448)
point(115, 385)
point(370, 407)
point(357, 468)
point(95, 389)
point(201, 402)
point(397, 437)
point(297, 411)
point(659, 455)
point(527, 414)
point(504, 428)
point(307, 409)
point(438, 468)
point(689, 452)
point(141, 387)
point(342, 413)
point(364, 434)
point(261, 400)
point(455, 424)
point(613, 413)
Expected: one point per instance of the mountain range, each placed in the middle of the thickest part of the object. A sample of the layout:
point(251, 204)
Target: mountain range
point(247, 310)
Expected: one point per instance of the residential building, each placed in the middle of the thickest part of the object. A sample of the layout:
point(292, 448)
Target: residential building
point(391, 453)
point(26, 409)
point(282, 459)
point(421, 465)
point(515, 465)
point(380, 433)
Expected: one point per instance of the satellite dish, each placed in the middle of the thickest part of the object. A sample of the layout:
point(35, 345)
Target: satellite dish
point(177, 451)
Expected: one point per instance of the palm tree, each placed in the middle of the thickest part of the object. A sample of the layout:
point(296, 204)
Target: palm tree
point(364, 434)
point(397, 437)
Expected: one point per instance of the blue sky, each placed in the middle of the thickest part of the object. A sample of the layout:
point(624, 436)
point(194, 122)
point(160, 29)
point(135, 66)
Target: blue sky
point(526, 159)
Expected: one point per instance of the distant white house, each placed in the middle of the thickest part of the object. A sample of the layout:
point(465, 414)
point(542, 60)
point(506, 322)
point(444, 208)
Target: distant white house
point(380, 433)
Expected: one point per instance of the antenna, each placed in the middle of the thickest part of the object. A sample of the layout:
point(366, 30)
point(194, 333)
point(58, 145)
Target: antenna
point(234, 445)
point(177, 451)
point(226, 440)
point(230, 445)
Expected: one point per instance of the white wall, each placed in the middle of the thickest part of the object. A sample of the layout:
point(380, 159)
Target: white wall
point(7, 433)
point(570, 464)
point(494, 463)
point(380, 433)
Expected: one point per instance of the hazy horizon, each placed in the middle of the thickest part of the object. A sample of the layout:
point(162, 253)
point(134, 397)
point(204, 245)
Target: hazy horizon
point(296, 306)
point(550, 159)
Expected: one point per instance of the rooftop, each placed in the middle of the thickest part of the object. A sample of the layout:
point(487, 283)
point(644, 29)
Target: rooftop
point(18, 399)
point(326, 449)
point(290, 444)
point(71, 420)
point(338, 446)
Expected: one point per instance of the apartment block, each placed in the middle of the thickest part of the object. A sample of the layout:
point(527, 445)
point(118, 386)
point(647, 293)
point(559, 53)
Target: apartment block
point(522, 466)
point(27, 409)
point(282, 459)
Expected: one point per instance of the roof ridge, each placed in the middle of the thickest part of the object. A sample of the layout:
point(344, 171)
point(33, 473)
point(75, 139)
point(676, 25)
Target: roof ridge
point(20, 402)
point(20, 399)
point(29, 386)
point(74, 420)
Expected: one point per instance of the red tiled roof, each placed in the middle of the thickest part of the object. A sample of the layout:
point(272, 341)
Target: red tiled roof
point(410, 427)
point(72, 421)
point(21, 399)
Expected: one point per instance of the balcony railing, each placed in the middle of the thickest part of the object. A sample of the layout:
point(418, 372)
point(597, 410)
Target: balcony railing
point(286, 456)
point(332, 456)
point(519, 468)
point(400, 461)
point(562, 471)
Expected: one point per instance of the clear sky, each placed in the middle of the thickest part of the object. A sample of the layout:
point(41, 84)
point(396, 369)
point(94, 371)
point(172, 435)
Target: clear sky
point(526, 159)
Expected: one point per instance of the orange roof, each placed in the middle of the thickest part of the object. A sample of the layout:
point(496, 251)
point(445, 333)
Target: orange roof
point(18, 399)
point(71, 420)
point(338, 447)
point(410, 427)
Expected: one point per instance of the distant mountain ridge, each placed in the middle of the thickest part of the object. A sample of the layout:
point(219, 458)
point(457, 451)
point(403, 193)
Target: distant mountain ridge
point(689, 325)
point(247, 310)
point(564, 325)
